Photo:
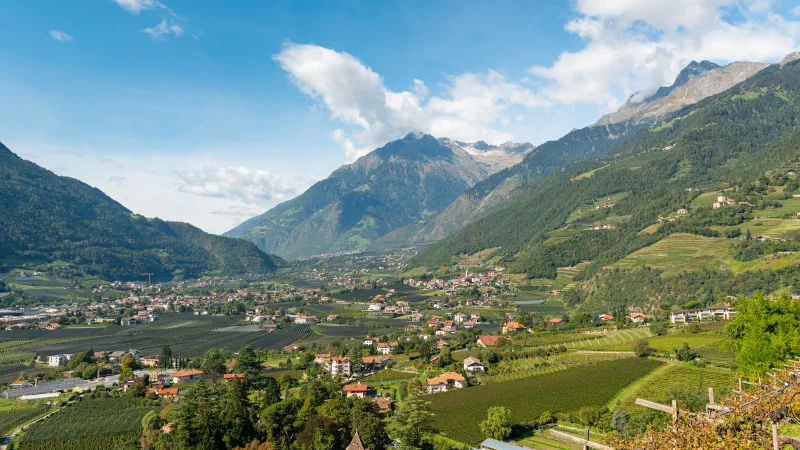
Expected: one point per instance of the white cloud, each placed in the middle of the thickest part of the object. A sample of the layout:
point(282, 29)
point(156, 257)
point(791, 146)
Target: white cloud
point(639, 45)
point(251, 187)
point(137, 6)
point(164, 29)
point(795, 11)
point(356, 95)
point(60, 36)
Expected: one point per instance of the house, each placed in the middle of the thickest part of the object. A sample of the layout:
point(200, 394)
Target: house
point(228, 377)
point(359, 390)
point(555, 321)
point(374, 307)
point(385, 348)
point(701, 314)
point(305, 320)
point(151, 361)
point(683, 211)
point(445, 381)
point(57, 360)
point(186, 376)
point(340, 365)
point(473, 365)
point(332, 317)
point(637, 317)
point(606, 317)
point(489, 341)
point(372, 363)
point(19, 384)
point(384, 404)
point(127, 321)
point(512, 326)
point(170, 394)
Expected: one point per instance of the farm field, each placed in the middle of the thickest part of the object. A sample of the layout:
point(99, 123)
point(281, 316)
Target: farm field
point(186, 334)
point(14, 413)
point(678, 253)
point(528, 398)
point(680, 377)
point(708, 345)
point(91, 424)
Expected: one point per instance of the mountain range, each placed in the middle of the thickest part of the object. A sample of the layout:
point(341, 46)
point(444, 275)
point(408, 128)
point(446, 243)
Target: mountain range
point(54, 220)
point(445, 184)
point(407, 181)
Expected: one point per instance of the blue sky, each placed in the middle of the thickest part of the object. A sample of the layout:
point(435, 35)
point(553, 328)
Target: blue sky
point(211, 112)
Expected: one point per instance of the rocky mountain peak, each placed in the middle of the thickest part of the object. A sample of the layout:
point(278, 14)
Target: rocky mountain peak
point(789, 58)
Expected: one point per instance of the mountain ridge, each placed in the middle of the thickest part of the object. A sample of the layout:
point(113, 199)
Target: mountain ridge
point(49, 218)
point(404, 181)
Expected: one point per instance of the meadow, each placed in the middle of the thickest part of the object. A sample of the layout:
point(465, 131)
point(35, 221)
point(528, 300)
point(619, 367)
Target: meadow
point(527, 398)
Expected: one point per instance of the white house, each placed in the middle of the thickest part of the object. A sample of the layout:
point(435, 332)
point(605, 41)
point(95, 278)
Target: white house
point(473, 365)
point(57, 360)
point(340, 365)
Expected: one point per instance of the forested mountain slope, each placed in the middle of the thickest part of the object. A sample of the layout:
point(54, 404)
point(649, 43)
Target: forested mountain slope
point(47, 218)
point(599, 208)
point(406, 181)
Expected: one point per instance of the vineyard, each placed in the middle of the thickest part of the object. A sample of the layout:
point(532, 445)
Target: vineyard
point(683, 377)
point(508, 370)
point(528, 398)
point(92, 424)
point(12, 416)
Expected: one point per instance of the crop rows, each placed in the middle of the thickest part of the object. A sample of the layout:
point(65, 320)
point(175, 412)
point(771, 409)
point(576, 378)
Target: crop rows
point(527, 398)
point(525, 367)
point(684, 376)
point(11, 418)
point(100, 423)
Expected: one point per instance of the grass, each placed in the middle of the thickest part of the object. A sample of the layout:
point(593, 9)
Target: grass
point(527, 398)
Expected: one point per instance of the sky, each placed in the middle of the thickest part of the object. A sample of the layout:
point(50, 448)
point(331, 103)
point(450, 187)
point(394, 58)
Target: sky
point(211, 112)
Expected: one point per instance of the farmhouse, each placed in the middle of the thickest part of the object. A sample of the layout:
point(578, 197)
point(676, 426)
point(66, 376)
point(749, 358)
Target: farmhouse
point(372, 363)
point(57, 360)
point(305, 320)
point(473, 365)
point(445, 381)
point(489, 341)
point(359, 390)
point(228, 377)
point(555, 321)
point(512, 326)
point(186, 376)
point(151, 361)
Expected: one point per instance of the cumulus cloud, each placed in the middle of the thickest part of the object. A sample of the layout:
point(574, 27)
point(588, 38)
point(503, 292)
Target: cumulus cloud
point(164, 29)
point(354, 94)
point(639, 45)
point(60, 36)
point(256, 189)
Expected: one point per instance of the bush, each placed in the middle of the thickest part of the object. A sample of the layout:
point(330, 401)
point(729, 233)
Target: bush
point(642, 348)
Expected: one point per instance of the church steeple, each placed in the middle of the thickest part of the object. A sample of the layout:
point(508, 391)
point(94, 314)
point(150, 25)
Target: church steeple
point(356, 443)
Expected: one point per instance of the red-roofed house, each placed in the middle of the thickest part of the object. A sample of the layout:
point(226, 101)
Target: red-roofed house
point(512, 326)
point(359, 390)
point(489, 341)
point(186, 375)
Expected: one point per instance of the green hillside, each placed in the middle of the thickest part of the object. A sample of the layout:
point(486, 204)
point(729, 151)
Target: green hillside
point(721, 146)
point(48, 218)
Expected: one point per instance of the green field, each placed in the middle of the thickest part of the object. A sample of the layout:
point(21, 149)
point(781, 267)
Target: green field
point(683, 376)
point(527, 398)
point(91, 424)
point(14, 413)
point(679, 252)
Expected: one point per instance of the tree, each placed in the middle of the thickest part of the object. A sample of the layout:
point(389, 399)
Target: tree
point(426, 349)
point(247, 363)
point(685, 353)
point(166, 357)
point(642, 348)
point(445, 357)
point(498, 423)
point(659, 328)
point(619, 420)
point(213, 364)
point(237, 428)
point(412, 421)
point(150, 429)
